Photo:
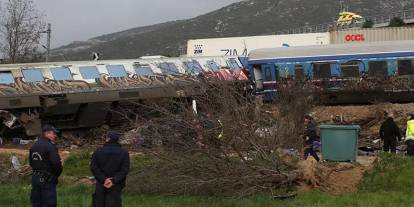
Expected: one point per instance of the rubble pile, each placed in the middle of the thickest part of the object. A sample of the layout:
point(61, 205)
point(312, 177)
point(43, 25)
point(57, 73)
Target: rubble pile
point(369, 117)
point(333, 177)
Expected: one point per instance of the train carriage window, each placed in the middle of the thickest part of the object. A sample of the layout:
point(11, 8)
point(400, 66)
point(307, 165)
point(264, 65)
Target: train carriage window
point(378, 68)
point(168, 68)
point(33, 75)
point(350, 69)
point(322, 70)
point(232, 63)
point(61, 73)
point(89, 72)
point(143, 70)
point(268, 73)
point(213, 66)
point(116, 71)
point(193, 67)
point(6, 77)
point(299, 72)
point(406, 67)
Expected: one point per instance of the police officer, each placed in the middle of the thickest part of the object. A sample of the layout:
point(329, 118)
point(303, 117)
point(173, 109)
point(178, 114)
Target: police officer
point(47, 167)
point(110, 166)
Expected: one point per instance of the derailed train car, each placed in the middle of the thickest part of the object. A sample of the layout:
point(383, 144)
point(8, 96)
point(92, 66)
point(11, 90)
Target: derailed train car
point(81, 94)
point(341, 73)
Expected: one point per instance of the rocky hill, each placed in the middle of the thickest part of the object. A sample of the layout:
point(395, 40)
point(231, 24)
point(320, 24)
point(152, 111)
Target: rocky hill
point(248, 17)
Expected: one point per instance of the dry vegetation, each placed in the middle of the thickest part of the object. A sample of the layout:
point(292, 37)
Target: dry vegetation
point(230, 147)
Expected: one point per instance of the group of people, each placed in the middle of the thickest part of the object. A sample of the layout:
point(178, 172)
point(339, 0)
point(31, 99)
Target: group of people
point(109, 165)
point(390, 134)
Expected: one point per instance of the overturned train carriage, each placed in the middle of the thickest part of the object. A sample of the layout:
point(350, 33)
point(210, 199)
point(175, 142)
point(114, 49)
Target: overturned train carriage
point(82, 94)
point(339, 73)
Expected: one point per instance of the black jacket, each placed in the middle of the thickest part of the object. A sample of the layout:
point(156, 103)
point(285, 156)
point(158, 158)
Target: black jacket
point(110, 161)
point(311, 132)
point(44, 157)
point(389, 130)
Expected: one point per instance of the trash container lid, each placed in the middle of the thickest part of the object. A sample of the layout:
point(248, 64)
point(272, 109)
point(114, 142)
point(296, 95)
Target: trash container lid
point(346, 127)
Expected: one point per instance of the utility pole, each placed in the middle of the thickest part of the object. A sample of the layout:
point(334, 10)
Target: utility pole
point(47, 47)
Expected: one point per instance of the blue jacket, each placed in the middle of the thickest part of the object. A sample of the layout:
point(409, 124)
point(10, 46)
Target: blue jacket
point(44, 157)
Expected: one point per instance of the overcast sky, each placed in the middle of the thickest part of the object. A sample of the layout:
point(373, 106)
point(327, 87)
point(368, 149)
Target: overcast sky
point(82, 19)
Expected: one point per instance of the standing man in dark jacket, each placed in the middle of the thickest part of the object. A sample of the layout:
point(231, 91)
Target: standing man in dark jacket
point(390, 133)
point(310, 136)
point(110, 166)
point(47, 167)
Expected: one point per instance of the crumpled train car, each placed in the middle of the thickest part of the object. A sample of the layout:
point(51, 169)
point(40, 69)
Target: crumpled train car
point(80, 94)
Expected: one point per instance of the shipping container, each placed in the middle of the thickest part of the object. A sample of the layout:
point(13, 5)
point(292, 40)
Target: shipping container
point(372, 35)
point(241, 46)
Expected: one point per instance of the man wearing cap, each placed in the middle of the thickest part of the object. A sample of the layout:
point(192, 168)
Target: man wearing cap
point(47, 167)
point(110, 166)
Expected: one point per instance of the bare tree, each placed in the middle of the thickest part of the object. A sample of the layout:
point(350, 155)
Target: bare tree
point(20, 27)
point(232, 147)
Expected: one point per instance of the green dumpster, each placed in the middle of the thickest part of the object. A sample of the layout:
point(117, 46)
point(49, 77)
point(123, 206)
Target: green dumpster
point(339, 142)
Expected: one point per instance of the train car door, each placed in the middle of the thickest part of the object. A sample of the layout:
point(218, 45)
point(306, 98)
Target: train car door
point(270, 75)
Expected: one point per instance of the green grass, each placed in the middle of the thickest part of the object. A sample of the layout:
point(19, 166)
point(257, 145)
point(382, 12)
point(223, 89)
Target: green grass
point(80, 196)
point(393, 173)
point(77, 164)
point(389, 184)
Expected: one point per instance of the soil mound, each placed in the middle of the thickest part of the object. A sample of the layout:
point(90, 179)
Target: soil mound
point(333, 177)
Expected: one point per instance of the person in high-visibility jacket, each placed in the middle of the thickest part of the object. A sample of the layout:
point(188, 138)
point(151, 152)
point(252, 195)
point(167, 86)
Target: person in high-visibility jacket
point(409, 135)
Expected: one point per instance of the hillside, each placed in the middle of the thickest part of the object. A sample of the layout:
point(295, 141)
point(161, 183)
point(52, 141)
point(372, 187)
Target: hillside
point(248, 17)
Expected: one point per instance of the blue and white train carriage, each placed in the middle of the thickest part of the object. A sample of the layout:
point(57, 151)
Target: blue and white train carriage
point(346, 73)
point(80, 94)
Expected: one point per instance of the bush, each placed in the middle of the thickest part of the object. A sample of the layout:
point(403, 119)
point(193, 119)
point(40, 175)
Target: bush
point(368, 24)
point(396, 22)
point(231, 147)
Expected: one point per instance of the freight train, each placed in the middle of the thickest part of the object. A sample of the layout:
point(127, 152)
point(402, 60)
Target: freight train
point(341, 73)
point(81, 94)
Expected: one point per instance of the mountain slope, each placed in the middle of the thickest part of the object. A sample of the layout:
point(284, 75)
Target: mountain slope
point(249, 17)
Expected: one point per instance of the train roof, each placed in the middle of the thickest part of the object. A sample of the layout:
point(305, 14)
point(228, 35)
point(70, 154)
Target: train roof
point(406, 48)
point(107, 62)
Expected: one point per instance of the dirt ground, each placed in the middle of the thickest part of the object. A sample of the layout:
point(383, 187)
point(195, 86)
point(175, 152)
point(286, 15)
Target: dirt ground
point(64, 154)
point(333, 177)
point(369, 117)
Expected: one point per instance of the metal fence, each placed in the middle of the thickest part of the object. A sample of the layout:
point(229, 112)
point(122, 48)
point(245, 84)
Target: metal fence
point(407, 16)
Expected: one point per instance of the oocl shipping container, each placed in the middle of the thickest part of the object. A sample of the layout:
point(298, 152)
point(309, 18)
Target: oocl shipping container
point(241, 46)
point(372, 35)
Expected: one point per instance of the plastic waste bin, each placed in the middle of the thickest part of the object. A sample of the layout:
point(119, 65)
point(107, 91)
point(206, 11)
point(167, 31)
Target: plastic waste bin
point(339, 142)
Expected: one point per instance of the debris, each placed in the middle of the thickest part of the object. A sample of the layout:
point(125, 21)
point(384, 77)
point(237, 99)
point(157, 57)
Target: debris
point(286, 196)
point(130, 137)
point(72, 147)
point(9, 118)
point(16, 163)
point(16, 141)
point(194, 103)
point(25, 142)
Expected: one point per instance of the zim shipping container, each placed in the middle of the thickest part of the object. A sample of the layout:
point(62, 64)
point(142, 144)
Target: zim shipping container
point(371, 35)
point(241, 46)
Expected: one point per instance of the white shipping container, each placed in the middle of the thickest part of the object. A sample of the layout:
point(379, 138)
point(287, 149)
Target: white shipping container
point(241, 46)
point(372, 35)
